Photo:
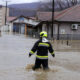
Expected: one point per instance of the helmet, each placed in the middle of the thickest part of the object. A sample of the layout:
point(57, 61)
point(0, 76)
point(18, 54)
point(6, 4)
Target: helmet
point(43, 34)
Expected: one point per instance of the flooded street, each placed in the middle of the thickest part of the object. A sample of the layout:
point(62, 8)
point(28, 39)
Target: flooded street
point(14, 59)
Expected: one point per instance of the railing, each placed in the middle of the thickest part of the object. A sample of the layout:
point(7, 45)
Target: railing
point(55, 36)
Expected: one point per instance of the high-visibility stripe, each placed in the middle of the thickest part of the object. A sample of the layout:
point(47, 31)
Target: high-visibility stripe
point(31, 52)
point(44, 44)
point(42, 57)
point(52, 53)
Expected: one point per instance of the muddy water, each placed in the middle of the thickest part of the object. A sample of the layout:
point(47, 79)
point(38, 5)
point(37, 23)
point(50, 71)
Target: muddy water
point(16, 65)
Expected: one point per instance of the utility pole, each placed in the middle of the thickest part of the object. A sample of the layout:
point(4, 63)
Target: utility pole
point(6, 13)
point(52, 19)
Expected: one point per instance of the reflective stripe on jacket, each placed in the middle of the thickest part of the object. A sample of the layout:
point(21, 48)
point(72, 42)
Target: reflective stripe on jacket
point(42, 57)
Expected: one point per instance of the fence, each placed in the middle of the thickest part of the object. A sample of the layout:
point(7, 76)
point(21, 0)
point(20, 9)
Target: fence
point(56, 36)
point(69, 37)
point(66, 45)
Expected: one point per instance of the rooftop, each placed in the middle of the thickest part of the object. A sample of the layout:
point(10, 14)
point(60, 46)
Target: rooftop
point(68, 15)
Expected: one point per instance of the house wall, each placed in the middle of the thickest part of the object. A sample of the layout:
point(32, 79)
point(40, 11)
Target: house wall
point(49, 31)
point(47, 28)
point(68, 29)
point(65, 28)
point(62, 31)
point(67, 32)
point(11, 27)
point(44, 27)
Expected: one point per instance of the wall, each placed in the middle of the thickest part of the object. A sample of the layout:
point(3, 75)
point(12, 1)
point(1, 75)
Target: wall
point(2, 15)
point(66, 30)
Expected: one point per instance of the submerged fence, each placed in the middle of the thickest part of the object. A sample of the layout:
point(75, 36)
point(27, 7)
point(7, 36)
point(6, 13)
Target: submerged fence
point(69, 36)
point(66, 45)
point(56, 36)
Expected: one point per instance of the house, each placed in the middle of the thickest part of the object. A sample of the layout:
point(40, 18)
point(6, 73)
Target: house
point(66, 23)
point(45, 19)
point(23, 25)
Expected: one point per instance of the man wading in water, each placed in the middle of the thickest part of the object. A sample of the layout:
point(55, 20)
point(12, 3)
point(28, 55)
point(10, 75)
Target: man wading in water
point(42, 46)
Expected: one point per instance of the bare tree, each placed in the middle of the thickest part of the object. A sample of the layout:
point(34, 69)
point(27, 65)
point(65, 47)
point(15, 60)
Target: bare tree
point(45, 6)
point(73, 2)
point(68, 3)
point(58, 4)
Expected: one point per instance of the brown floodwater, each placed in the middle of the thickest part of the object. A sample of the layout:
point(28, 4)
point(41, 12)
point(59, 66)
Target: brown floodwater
point(16, 65)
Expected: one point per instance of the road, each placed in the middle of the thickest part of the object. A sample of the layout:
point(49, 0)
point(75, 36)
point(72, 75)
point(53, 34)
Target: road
point(14, 61)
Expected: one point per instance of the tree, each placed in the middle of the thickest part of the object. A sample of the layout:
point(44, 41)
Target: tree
point(45, 6)
point(59, 4)
point(74, 2)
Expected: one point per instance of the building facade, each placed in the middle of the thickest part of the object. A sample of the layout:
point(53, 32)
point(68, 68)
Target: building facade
point(2, 15)
point(23, 25)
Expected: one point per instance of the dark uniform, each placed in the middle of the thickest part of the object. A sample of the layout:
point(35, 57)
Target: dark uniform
point(42, 49)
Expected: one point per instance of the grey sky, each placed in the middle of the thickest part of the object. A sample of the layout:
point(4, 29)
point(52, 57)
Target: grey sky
point(17, 1)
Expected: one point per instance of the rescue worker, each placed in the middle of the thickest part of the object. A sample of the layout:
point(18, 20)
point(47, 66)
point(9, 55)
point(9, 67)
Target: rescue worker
point(42, 46)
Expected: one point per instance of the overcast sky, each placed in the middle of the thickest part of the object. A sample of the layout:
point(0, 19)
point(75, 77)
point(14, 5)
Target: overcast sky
point(17, 1)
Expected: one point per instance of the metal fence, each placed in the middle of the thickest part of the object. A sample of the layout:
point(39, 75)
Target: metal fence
point(67, 36)
point(66, 45)
point(55, 36)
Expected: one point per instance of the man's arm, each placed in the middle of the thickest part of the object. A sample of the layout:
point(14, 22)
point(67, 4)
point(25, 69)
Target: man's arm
point(51, 50)
point(33, 50)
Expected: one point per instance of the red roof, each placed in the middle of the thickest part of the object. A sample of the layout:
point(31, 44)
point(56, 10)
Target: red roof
point(69, 15)
point(44, 16)
point(10, 18)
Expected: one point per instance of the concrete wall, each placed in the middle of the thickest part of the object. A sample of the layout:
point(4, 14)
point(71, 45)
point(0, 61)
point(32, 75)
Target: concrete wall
point(47, 28)
point(2, 15)
point(44, 27)
point(66, 27)
point(66, 30)
point(10, 27)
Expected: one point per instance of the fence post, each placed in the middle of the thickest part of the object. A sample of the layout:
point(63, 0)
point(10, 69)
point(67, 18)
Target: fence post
point(67, 40)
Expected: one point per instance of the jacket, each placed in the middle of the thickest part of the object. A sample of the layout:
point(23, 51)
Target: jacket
point(42, 48)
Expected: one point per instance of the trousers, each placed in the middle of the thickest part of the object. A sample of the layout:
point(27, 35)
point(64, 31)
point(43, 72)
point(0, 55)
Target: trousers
point(41, 63)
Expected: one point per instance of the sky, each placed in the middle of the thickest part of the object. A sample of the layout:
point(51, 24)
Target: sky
point(2, 2)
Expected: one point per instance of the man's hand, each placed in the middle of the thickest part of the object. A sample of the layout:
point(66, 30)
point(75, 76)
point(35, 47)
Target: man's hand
point(30, 54)
point(53, 55)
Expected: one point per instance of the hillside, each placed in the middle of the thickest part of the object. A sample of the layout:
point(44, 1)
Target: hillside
point(32, 6)
point(26, 9)
point(30, 9)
